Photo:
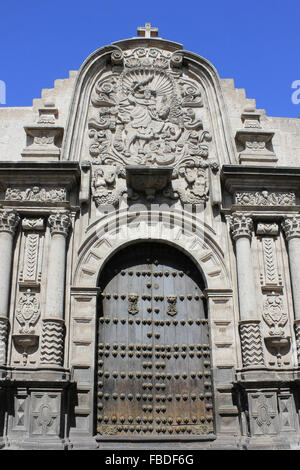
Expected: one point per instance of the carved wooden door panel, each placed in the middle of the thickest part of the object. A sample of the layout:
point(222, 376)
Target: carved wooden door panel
point(154, 374)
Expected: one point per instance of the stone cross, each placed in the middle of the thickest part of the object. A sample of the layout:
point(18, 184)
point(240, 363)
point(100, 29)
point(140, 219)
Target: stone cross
point(147, 31)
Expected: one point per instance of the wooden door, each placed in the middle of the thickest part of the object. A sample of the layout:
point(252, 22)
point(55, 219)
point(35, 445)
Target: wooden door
point(153, 356)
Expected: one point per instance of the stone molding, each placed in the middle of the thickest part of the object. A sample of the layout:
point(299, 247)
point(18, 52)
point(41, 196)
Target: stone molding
point(60, 223)
point(241, 226)
point(291, 227)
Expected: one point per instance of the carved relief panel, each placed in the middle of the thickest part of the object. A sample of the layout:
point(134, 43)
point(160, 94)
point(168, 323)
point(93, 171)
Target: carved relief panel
point(27, 310)
point(275, 304)
point(147, 112)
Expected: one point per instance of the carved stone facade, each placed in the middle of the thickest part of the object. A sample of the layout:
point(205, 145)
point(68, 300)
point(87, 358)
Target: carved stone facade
point(149, 260)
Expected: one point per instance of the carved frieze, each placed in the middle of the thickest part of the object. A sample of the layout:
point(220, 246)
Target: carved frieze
point(265, 198)
point(36, 194)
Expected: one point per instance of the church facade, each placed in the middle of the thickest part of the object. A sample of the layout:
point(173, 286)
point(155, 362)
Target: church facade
point(149, 260)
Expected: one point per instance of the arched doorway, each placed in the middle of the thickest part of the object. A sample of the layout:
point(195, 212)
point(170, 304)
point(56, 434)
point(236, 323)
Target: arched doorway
point(153, 353)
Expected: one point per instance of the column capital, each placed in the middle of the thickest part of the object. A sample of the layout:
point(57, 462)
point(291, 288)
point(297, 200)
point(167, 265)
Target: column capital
point(9, 220)
point(291, 227)
point(60, 222)
point(240, 225)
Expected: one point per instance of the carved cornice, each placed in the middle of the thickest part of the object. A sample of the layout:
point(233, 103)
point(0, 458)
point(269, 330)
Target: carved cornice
point(262, 187)
point(291, 227)
point(59, 223)
point(9, 220)
point(240, 226)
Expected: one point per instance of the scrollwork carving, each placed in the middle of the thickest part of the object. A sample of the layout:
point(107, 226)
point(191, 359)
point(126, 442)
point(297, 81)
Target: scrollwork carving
point(106, 187)
point(28, 311)
point(274, 315)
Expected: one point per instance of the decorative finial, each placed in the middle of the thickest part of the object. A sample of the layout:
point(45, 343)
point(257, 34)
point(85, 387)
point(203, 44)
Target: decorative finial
point(146, 31)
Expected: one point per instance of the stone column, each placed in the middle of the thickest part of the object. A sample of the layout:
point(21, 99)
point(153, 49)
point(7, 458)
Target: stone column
point(251, 341)
point(291, 228)
point(52, 347)
point(8, 224)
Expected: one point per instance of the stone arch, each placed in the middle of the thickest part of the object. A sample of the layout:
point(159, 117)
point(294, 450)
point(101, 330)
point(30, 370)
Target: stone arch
point(106, 237)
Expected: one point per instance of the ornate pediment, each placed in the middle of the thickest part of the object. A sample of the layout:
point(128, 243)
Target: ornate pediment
point(144, 112)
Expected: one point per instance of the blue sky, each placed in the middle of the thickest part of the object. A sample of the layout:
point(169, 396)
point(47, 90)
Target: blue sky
point(256, 42)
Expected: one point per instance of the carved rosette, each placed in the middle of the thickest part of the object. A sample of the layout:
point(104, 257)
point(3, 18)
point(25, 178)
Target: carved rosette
point(52, 347)
point(8, 221)
point(291, 227)
point(251, 343)
point(241, 226)
point(3, 339)
point(60, 223)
